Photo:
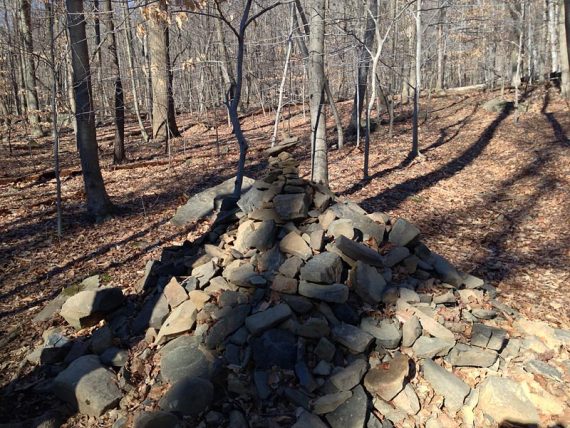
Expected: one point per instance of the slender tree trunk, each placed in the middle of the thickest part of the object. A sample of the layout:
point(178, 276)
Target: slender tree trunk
point(98, 202)
point(115, 71)
point(319, 160)
point(364, 58)
point(29, 73)
point(441, 48)
point(417, 86)
point(565, 48)
point(130, 59)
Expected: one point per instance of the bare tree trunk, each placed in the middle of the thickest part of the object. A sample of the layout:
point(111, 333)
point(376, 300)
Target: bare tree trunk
point(319, 160)
point(565, 48)
point(29, 73)
point(441, 48)
point(517, 77)
point(284, 78)
point(115, 71)
point(162, 103)
point(553, 31)
point(98, 202)
point(55, 125)
point(417, 86)
point(130, 59)
point(364, 58)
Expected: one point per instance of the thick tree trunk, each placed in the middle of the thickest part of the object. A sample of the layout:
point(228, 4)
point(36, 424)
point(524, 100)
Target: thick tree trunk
point(163, 122)
point(319, 161)
point(441, 48)
point(29, 71)
point(98, 202)
point(565, 48)
point(553, 31)
point(115, 74)
point(364, 58)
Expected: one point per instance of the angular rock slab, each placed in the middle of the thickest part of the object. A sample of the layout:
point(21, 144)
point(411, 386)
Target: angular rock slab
point(293, 244)
point(275, 348)
point(368, 283)
point(190, 397)
point(353, 338)
point(262, 321)
point(324, 268)
point(360, 220)
point(202, 204)
point(403, 233)
point(453, 389)
point(88, 386)
point(357, 251)
point(179, 321)
point(332, 293)
point(292, 206)
point(505, 400)
point(387, 380)
point(88, 307)
point(471, 356)
point(352, 413)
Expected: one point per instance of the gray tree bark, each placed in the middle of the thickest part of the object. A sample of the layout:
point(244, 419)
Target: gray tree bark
point(565, 48)
point(441, 48)
point(115, 74)
point(98, 202)
point(29, 73)
point(553, 31)
point(417, 85)
point(319, 160)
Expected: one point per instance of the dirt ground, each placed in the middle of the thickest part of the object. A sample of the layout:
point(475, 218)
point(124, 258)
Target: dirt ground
point(491, 194)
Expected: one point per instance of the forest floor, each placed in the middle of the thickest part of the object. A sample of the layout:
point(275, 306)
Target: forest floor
point(490, 194)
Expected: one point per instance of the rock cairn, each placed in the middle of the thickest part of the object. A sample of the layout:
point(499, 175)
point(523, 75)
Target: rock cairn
point(301, 310)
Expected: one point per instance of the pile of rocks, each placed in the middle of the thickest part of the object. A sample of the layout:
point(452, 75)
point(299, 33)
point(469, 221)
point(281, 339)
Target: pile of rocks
point(301, 310)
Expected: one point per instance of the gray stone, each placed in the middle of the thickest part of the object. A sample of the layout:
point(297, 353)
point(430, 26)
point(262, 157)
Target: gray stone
point(202, 204)
point(293, 244)
point(182, 358)
point(368, 283)
point(189, 396)
point(360, 220)
point(324, 268)
point(261, 381)
point(157, 419)
point(484, 314)
point(447, 271)
point(101, 339)
point(283, 284)
point(453, 389)
point(312, 328)
point(153, 313)
point(88, 307)
point(290, 268)
point(88, 386)
point(291, 206)
point(488, 337)
point(269, 261)
point(446, 298)
point(258, 235)
point(395, 256)
point(262, 321)
point(333, 293)
point(237, 420)
point(275, 348)
point(472, 282)
point(357, 251)
point(544, 369)
point(407, 400)
point(205, 272)
point(411, 330)
point(299, 304)
point(392, 415)
point(353, 338)
point(430, 347)
point(342, 227)
point(322, 368)
point(115, 357)
point(308, 420)
point(386, 332)
point(388, 379)
point(350, 376)
point(505, 400)
point(496, 105)
point(239, 273)
point(352, 413)
point(409, 296)
point(317, 239)
point(306, 379)
point(325, 350)
point(329, 403)
point(179, 321)
point(402, 233)
point(471, 356)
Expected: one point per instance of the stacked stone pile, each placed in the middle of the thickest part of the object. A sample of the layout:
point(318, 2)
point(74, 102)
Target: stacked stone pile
point(302, 310)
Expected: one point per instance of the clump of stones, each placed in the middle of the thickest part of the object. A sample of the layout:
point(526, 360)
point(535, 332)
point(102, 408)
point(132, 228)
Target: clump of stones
point(302, 310)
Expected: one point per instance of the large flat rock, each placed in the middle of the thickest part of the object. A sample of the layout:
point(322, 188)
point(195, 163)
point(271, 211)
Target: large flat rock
point(202, 204)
